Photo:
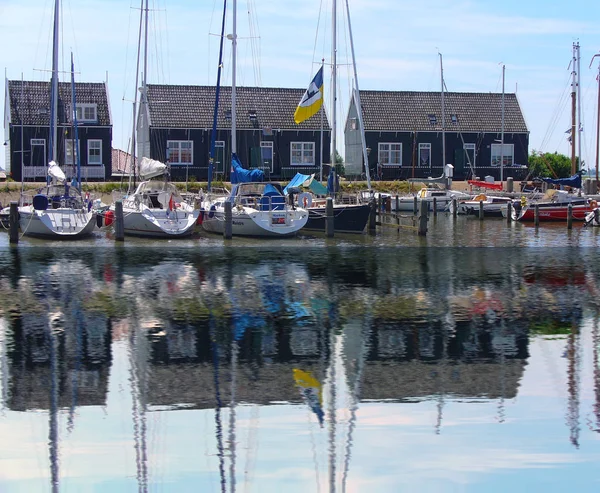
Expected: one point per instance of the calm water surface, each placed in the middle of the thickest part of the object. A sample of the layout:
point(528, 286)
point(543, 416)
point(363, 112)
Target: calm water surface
point(305, 365)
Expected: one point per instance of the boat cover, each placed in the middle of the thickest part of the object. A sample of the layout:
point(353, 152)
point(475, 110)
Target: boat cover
point(298, 181)
point(573, 181)
point(309, 181)
point(241, 175)
point(333, 182)
point(150, 168)
point(55, 172)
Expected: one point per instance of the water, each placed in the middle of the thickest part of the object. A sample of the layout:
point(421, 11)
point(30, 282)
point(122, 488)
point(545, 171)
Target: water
point(354, 364)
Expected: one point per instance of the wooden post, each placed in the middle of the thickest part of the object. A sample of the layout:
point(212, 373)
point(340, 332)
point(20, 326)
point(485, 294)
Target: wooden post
point(536, 216)
point(397, 203)
point(13, 223)
point(570, 216)
point(373, 218)
point(119, 225)
point(227, 230)
point(423, 213)
point(329, 226)
point(509, 184)
point(454, 207)
point(481, 210)
point(434, 206)
point(415, 209)
point(508, 212)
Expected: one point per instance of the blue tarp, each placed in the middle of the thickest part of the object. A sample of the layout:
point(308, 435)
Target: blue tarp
point(333, 183)
point(573, 181)
point(297, 181)
point(241, 175)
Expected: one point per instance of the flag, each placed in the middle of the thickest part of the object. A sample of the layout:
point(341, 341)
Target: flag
point(312, 392)
point(312, 100)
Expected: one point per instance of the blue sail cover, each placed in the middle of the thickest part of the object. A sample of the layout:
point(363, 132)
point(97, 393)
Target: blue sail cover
point(573, 181)
point(296, 182)
point(241, 175)
point(333, 183)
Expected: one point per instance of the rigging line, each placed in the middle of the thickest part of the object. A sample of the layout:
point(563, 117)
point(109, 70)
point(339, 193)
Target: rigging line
point(558, 112)
point(317, 32)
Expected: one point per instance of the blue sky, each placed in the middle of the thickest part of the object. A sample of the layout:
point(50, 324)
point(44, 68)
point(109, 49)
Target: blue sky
point(397, 44)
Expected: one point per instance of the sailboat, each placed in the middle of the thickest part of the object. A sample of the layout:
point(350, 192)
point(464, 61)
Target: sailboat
point(156, 208)
point(60, 211)
point(348, 217)
point(259, 208)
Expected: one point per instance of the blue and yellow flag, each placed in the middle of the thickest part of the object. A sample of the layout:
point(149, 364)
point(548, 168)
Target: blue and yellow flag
point(312, 100)
point(312, 392)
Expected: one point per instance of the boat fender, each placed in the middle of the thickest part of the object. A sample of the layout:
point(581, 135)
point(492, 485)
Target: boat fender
point(523, 201)
point(109, 218)
point(305, 200)
point(211, 212)
point(40, 202)
point(593, 204)
point(99, 220)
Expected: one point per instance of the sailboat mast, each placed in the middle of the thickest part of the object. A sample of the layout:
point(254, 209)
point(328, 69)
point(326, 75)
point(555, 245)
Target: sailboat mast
point(334, 84)
point(502, 130)
point(54, 86)
point(132, 165)
point(579, 128)
point(357, 99)
point(75, 146)
point(233, 81)
point(443, 115)
point(598, 118)
point(574, 112)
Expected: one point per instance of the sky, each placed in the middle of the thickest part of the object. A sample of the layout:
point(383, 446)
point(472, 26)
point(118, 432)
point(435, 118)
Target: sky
point(281, 43)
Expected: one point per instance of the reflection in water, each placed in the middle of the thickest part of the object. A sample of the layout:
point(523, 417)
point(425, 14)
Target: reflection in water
point(326, 329)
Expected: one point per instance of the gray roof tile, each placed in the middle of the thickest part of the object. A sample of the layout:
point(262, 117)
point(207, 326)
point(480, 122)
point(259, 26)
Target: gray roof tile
point(410, 110)
point(33, 101)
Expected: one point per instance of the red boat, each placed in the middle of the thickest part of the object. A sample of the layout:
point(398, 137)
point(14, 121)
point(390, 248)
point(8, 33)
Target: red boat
point(485, 184)
point(555, 207)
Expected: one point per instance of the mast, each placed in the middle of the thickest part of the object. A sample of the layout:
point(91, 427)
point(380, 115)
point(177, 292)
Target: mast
point(233, 70)
point(579, 127)
point(358, 105)
point(443, 115)
point(334, 84)
point(322, 111)
point(22, 139)
point(598, 118)
point(574, 112)
point(54, 87)
point(76, 143)
point(502, 131)
point(213, 137)
point(132, 166)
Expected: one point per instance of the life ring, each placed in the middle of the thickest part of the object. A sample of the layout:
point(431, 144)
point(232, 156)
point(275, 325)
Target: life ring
point(593, 204)
point(305, 199)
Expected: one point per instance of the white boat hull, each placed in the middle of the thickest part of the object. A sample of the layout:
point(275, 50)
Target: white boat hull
point(56, 223)
point(158, 223)
point(247, 221)
point(406, 204)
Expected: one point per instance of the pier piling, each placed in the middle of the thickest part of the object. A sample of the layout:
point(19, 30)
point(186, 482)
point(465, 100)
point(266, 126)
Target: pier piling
point(373, 218)
point(227, 230)
point(13, 224)
point(508, 212)
point(570, 216)
point(119, 225)
point(481, 210)
point(536, 215)
point(415, 210)
point(454, 207)
point(434, 206)
point(423, 213)
point(329, 226)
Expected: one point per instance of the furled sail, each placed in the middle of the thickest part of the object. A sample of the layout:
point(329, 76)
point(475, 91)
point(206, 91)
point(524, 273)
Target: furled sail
point(149, 168)
point(55, 172)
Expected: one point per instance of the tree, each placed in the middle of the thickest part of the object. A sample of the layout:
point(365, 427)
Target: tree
point(340, 169)
point(551, 165)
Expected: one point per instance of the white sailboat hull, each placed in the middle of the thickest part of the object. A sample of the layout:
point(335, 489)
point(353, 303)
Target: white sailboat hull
point(158, 223)
point(56, 223)
point(250, 222)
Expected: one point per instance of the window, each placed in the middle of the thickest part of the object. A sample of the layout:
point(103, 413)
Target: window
point(69, 158)
point(266, 150)
point(180, 152)
point(470, 155)
point(508, 154)
point(454, 118)
point(390, 154)
point(432, 119)
point(94, 152)
point(353, 123)
point(87, 113)
point(425, 155)
point(303, 154)
point(38, 152)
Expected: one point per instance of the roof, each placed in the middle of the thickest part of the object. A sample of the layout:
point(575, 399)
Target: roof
point(174, 106)
point(121, 163)
point(411, 110)
point(33, 101)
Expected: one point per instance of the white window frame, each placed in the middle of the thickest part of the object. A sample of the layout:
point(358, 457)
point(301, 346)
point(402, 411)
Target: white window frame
point(177, 145)
point(508, 155)
point(220, 143)
point(307, 150)
point(471, 147)
point(87, 112)
point(69, 157)
point(37, 142)
point(425, 146)
point(385, 150)
point(92, 159)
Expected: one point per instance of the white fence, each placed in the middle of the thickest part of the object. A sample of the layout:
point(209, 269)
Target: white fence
point(87, 172)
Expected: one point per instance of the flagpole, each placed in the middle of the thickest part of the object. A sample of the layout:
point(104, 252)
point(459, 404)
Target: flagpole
point(321, 150)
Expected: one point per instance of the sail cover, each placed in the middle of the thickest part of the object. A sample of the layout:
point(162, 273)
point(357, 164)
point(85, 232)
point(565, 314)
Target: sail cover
point(55, 172)
point(573, 181)
point(149, 168)
point(241, 175)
